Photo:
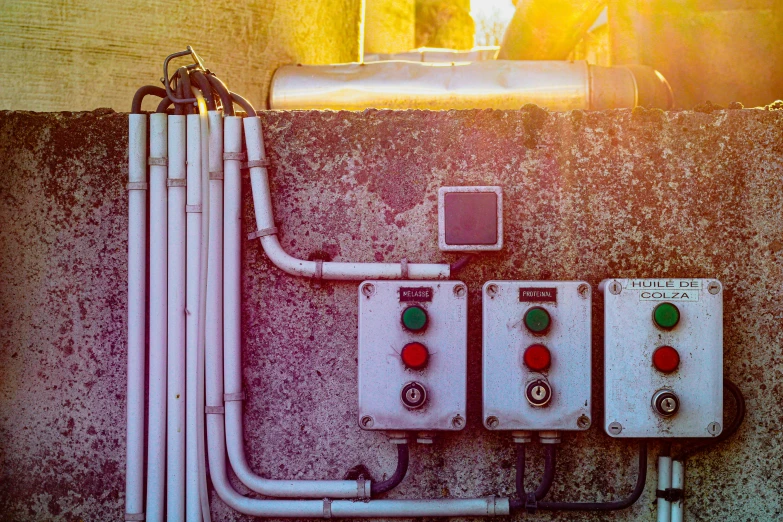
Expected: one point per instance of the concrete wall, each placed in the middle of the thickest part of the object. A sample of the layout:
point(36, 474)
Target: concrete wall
point(389, 26)
point(587, 195)
point(61, 55)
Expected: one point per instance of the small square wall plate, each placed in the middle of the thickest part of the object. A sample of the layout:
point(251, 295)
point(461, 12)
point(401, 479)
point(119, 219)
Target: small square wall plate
point(470, 218)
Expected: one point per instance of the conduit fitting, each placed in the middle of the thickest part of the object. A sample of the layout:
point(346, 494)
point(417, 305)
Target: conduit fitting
point(397, 437)
point(522, 437)
point(497, 84)
point(425, 437)
point(549, 437)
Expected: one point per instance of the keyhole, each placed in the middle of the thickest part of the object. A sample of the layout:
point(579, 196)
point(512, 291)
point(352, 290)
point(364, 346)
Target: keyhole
point(413, 395)
point(539, 392)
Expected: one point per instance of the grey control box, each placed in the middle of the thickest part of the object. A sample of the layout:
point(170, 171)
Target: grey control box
point(536, 355)
point(413, 355)
point(663, 357)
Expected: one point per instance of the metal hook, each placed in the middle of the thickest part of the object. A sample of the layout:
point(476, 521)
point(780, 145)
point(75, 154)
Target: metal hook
point(198, 64)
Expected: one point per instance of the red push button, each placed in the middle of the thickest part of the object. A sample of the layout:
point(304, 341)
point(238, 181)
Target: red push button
point(415, 356)
point(666, 359)
point(537, 357)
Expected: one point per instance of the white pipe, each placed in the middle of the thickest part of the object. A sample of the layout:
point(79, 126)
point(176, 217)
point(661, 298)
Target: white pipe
point(137, 266)
point(192, 501)
point(175, 433)
point(678, 482)
point(490, 506)
point(262, 201)
point(156, 446)
point(233, 349)
point(664, 482)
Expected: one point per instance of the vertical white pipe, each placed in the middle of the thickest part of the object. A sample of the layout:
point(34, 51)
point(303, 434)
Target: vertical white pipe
point(175, 433)
point(664, 482)
point(233, 349)
point(678, 482)
point(193, 263)
point(137, 265)
point(156, 447)
point(212, 264)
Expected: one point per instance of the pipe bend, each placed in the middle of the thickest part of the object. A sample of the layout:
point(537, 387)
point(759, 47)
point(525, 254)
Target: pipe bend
point(489, 506)
point(351, 489)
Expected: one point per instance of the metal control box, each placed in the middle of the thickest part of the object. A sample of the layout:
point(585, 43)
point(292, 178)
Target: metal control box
point(536, 355)
point(413, 355)
point(663, 357)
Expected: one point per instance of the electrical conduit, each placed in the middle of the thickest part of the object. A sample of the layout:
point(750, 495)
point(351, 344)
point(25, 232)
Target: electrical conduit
point(233, 348)
point(262, 201)
point(156, 447)
point(664, 483)
point(137, 284)
point(193, 262)
point(175, 432)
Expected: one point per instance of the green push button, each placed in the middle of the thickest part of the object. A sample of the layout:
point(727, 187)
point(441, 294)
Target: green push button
point(414, 318)
point(537, 320)
point(666, 315)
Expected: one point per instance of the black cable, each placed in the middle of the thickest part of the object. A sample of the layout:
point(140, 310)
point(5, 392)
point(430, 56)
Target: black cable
point(145, 91)
point(460, 263)
point(529, 500)
point(399, 473)
point(164, 104)
point(225, 96)
point(205, 88)
point(549, 472)
point(251, 112)
point(690, 449)
point(641, 480)
point(520, 478)
point(178, 108)
point(187, 91)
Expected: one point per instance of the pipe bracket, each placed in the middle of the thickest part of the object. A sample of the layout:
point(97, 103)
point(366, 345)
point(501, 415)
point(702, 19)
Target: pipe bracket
point(670, 494)
point(235, 156)
point(134, 516)
point(216, 175)
point(404, 268)
point(137, 185)
point(319, 273)
point(327, 508)
point(361, 489)
point(162, 161)
point(231, 397)
point(262, 233)
point(263, 162)
point(214, 410)
point(176, 182)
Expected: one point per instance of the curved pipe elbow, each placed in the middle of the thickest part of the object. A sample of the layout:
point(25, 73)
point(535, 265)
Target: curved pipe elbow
point(351, 489)
point(349, 271)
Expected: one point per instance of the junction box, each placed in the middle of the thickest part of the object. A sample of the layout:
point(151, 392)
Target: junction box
point(663, 357)
point(536, 355)
point(412, 355)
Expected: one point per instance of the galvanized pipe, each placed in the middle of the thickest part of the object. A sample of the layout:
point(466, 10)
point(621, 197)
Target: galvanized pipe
point(496, 84)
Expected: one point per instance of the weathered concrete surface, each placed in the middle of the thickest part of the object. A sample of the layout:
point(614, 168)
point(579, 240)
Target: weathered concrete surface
point(587, 195)
point(389, 26)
